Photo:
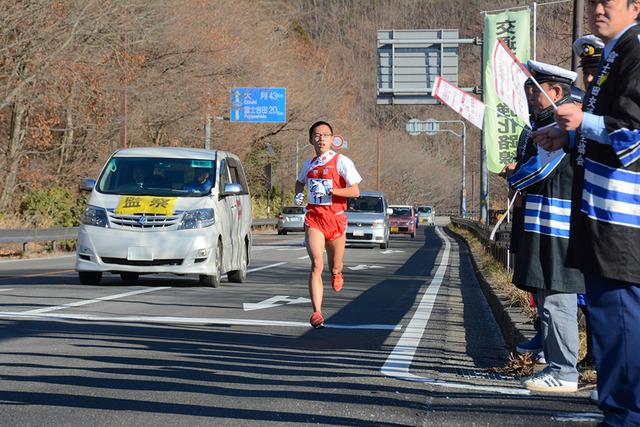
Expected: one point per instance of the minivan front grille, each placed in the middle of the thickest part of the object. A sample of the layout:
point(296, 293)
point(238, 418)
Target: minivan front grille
point(156, 262)
point(144, 221)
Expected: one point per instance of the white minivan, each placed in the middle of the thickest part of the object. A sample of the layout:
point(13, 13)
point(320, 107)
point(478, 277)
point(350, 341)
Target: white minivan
point(166, 210)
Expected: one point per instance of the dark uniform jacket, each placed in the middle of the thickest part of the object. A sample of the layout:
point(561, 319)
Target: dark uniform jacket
point(605, 235)
point(546, 184)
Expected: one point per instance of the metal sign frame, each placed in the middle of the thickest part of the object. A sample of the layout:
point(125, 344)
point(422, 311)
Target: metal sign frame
point(408, 62)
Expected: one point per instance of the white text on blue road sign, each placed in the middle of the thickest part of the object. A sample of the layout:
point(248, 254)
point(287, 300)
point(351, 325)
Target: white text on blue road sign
point(258, 105)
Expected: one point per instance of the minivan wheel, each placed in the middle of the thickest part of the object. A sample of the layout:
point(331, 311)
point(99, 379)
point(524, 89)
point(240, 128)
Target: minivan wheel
point(89, 278)
point(214, 279)
point(129, 277)
point(384, 245)
point(239, 276)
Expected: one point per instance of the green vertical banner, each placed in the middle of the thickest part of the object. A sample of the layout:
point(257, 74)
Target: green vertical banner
point(500, 132)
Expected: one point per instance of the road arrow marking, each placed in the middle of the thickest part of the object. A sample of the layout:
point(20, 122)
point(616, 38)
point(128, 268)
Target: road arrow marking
point(276, 301)
point(364, 267)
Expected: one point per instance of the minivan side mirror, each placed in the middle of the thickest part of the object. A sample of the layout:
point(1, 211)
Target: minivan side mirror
point(389, 211)
point(87, 184)
point(231, 189)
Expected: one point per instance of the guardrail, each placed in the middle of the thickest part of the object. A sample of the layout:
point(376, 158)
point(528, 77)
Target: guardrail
point(498, 248)
point(53, 235)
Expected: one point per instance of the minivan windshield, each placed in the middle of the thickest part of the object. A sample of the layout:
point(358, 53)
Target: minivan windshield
point(293, 210)
point(366, 204)
point(424, 209)
point(401, 211)
point(147, 176)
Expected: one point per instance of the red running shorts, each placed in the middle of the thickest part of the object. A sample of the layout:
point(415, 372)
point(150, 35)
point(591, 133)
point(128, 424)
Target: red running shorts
point(332, 226)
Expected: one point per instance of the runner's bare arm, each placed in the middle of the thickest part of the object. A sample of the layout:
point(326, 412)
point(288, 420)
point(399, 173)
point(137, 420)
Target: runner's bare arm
point(352, 191)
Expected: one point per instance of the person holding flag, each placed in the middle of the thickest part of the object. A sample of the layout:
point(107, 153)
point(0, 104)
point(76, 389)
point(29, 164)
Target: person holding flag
point(604, 138)
point(330, 179)
point(545, 181)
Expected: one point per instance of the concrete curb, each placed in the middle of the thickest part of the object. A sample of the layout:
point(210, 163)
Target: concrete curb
point(515, 325)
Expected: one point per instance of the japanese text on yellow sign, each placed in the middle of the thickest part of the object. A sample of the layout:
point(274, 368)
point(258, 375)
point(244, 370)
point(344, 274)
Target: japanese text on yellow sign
point(130, 205)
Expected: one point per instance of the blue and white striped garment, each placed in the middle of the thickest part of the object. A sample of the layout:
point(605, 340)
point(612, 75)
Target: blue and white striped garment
point(611, 195)
point(546, 215)
point(535, 170)
point(626, 144)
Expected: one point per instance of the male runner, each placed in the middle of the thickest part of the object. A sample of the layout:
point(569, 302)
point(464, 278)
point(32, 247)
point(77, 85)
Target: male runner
point(330, 179)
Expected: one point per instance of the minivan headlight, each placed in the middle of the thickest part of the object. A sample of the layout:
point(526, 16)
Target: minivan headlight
point(378, 223)
point(94, 215)
point(199, 218)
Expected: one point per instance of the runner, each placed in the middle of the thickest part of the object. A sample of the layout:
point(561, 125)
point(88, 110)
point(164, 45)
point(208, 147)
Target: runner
point(330, 179)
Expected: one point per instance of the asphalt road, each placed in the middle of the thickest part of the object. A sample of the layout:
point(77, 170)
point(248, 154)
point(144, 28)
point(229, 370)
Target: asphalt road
point(406, 343)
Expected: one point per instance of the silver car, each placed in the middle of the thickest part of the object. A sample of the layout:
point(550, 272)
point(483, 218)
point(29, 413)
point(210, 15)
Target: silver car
point(368, 217)
point(291, 219)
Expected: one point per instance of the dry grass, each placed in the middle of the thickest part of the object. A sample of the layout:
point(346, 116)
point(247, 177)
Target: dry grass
point(520, 365)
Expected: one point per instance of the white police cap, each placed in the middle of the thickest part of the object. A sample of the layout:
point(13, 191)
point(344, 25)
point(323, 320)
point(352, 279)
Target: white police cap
point(543, 72)
point(586, 46)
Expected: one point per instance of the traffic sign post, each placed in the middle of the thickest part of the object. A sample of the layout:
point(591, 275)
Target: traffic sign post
point(258, 105)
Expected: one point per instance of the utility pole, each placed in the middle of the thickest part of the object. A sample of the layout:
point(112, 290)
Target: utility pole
point(578, 28)
point(125, 88)
point(377, 158)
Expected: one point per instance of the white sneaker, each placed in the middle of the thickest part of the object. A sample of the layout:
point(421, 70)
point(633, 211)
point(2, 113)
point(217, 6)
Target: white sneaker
point(550, 384)
point(593, 396)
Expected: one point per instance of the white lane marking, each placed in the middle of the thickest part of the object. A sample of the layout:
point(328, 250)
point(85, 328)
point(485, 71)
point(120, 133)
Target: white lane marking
point(584, 417)
point(292, 249)
point(264, 267)
point(391, 251)
point(92, 301)
point(5, 290)
point(400, 359)
point(268, 248)
point(190, 320)
point(275, 301)
point(364, 267)
point(304, 257)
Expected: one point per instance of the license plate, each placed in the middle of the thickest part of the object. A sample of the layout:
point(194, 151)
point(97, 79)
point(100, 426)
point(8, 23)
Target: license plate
point(394, 229)
point(358, 233)
point(138, 253)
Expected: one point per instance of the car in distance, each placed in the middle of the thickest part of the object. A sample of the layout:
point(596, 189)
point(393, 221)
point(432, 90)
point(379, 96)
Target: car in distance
point(402, 220)
point(425, 214)
point(368, 219)
point(291, 219)
point(166, 210)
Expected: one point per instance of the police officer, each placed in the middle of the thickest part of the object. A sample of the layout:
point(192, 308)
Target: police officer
point(545, 179)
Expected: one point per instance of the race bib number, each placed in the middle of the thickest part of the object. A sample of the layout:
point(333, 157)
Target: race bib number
point(130, 205)
point(317, 190)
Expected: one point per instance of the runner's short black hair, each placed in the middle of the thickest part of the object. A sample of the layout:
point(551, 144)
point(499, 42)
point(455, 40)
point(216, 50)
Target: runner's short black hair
point(313, 127)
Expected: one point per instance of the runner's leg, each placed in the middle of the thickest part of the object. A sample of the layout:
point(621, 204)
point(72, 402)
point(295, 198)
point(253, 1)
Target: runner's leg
point(335, 253)
point(315, 249)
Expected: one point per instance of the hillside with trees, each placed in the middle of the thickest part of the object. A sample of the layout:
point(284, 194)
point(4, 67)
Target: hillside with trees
point(69, 68)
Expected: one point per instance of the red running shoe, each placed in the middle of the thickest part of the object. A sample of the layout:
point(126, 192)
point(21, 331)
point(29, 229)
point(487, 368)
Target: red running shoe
point(337, 281)
point(317, 321)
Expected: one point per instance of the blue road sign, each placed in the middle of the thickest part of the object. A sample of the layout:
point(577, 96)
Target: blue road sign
point(259, 104)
